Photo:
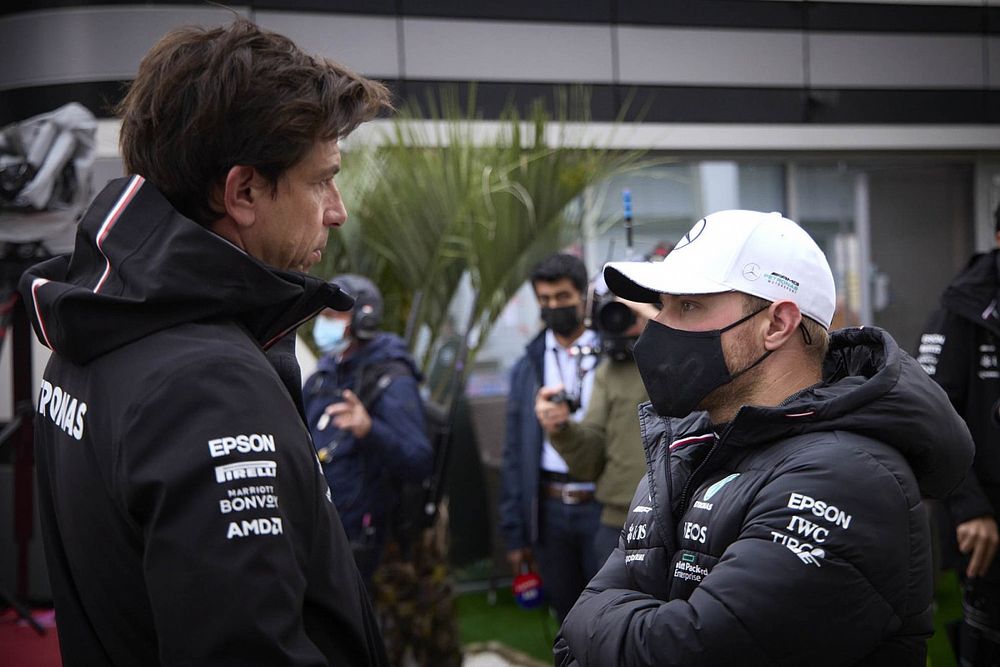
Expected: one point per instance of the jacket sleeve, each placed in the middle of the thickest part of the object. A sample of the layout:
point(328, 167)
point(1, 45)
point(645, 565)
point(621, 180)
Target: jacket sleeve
point(583, 445)
point(509, 505)
point(794, 588)
point(216, 473)
point(399, 431)
point(948, 354)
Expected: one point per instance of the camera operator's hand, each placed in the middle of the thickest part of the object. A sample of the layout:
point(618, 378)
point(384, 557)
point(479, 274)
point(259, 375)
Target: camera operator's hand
point(978, 539)
point(350, 415)
point(552, 416)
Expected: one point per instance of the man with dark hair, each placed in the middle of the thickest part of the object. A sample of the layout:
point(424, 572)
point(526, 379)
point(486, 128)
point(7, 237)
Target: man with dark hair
point(548, 517)
point(959, 350)
point(205, 100)
point(780, 519)
point(185, 516)
point(604, 447)
point(558, 268)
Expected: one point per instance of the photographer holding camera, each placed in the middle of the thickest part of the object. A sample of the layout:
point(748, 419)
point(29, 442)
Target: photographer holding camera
point(605, 447)
point(545, 512)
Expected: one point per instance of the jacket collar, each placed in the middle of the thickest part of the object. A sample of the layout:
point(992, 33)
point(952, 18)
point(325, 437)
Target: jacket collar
point(139, 266)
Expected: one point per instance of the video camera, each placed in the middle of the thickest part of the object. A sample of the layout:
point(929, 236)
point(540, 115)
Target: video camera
point(608, 316)
point(611, 319)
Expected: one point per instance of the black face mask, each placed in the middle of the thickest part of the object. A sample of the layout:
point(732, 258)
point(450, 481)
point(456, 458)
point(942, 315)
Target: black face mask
point(562, 321)
point(680, 368)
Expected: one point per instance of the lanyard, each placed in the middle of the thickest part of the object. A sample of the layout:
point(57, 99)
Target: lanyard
point(576, 353)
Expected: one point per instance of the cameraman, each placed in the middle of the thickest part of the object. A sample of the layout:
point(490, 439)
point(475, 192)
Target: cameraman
point(606, 447)
point(366, 417)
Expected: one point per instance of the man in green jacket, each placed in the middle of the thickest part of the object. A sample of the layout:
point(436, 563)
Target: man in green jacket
point(606, 446)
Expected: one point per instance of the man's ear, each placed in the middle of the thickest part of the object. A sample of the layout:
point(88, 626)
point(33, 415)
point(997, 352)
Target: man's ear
point(783, 319)
point(240, 193)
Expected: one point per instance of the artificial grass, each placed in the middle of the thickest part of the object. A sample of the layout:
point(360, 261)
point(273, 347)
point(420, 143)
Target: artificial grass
point(529, 631)
point(948, 596)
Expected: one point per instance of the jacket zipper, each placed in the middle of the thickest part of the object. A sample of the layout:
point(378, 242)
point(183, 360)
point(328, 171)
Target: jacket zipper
point(690, 483)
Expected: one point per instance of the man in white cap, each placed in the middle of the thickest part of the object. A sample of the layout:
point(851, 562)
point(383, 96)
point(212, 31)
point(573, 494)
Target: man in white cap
point(780, 521)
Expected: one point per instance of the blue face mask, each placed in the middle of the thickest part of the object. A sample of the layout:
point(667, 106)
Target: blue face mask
point(329, 335)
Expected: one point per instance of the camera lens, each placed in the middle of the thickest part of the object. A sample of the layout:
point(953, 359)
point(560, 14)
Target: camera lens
point(615, 317)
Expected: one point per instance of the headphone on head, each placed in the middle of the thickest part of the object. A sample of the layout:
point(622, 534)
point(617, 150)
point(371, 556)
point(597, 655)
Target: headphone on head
point(366, 317)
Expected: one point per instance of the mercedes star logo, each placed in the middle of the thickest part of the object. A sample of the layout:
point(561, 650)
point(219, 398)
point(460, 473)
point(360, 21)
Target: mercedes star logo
point(690, 237)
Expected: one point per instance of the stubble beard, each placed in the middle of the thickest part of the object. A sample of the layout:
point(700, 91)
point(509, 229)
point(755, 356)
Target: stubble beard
point(730, 397)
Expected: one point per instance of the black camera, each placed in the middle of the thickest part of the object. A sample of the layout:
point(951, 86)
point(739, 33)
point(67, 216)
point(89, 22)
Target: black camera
point(572, 402)
point(612, 319)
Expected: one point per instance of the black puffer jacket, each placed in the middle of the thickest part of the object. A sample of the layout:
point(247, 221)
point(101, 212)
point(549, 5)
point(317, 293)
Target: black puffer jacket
point(796, 536)
point(185, 515)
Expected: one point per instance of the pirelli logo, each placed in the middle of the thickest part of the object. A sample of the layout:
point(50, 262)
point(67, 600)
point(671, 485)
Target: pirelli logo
point(245, 470)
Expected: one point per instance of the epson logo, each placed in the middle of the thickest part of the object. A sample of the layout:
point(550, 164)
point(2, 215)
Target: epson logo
point(265, 526)
point(820, 508)
point(245, 470)
point(244, 444)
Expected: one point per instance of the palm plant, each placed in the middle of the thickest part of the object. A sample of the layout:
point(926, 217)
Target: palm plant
point(433, 205)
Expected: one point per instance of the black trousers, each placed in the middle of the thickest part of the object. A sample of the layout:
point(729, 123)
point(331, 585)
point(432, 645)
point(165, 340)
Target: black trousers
point(565, 551)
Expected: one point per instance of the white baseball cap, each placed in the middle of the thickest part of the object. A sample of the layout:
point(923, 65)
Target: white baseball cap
point(763, 254)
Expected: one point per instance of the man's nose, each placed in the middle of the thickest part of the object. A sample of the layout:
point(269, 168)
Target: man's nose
point(335, 215)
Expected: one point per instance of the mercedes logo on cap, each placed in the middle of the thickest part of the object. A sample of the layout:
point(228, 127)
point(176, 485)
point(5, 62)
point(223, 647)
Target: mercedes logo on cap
point(690, 237)
point(751, 271)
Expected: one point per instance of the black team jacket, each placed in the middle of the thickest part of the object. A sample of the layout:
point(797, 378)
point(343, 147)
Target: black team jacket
point(794, 536)
point(185, 516)
point(959, 350)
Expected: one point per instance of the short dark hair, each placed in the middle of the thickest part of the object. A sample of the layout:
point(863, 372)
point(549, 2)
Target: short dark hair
point(558, 266)
point(207, 99)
